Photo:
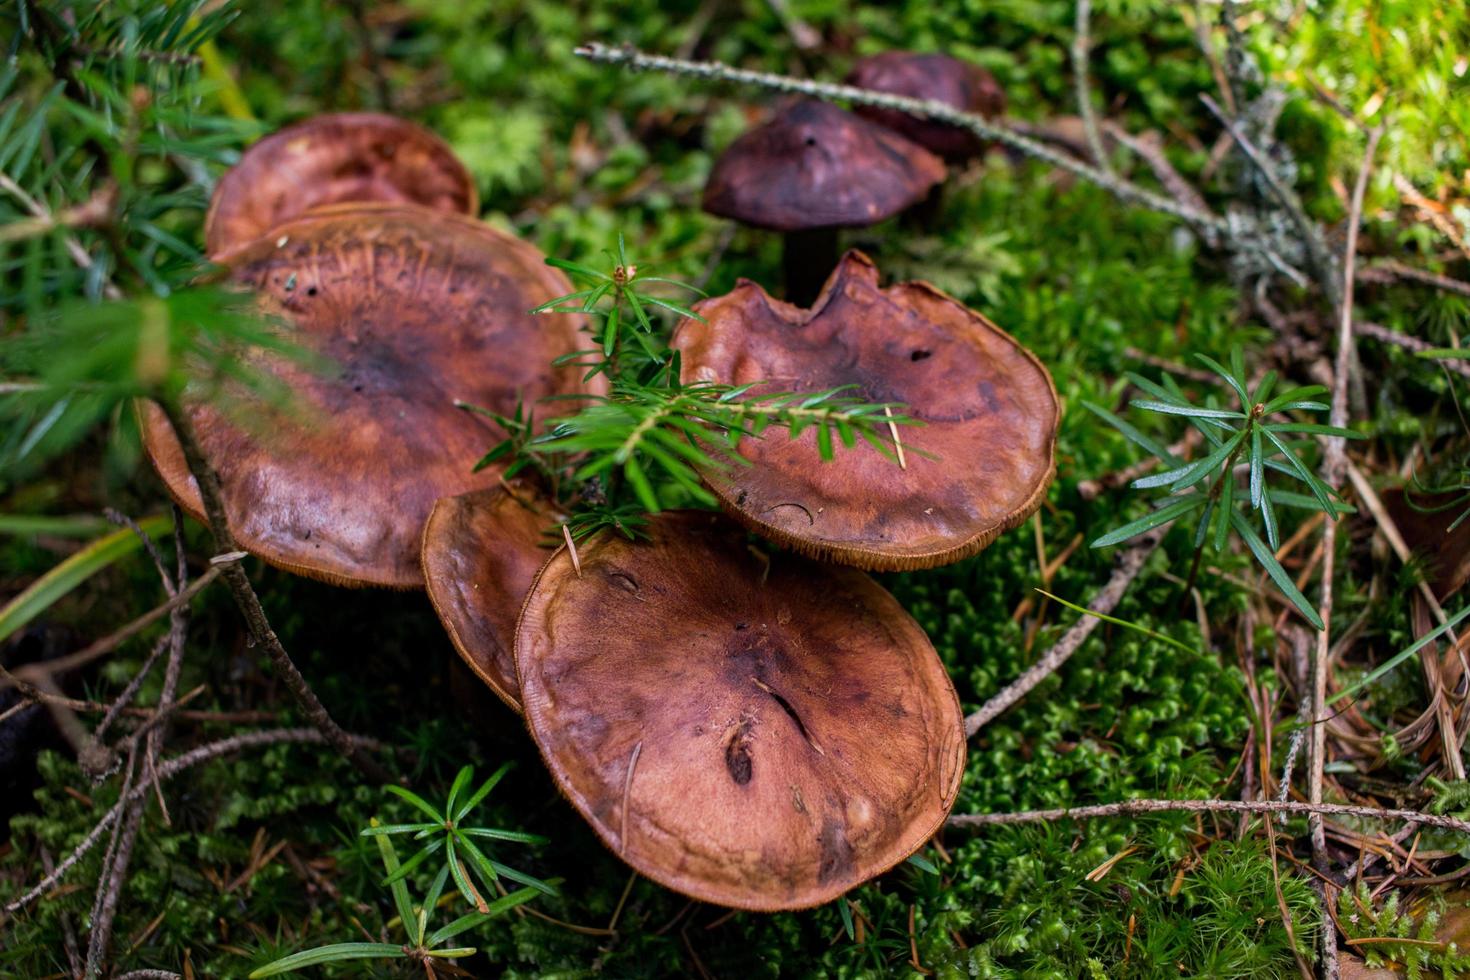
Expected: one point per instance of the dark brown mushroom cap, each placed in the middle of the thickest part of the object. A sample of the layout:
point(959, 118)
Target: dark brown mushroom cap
point(817, 166)
point(930, 76)
point(414, 309)
point(988, 405)
point(481, 553)
point(335, 159)
point(762, 734)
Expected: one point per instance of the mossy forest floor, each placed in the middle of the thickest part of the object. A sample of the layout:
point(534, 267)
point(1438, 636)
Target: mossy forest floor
point(260, 855)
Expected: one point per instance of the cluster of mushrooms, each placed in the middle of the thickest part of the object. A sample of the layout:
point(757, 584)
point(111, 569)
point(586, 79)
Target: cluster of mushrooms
point(758, 728)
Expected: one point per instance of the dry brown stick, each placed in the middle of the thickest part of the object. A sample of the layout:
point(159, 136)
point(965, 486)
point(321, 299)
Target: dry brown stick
point(171, 768)
point(249, 603)
point(1334, 463)
point(110, 883)
point(36, 671)
point(1135, 807)
point(1128, 565)
point(1379, 332)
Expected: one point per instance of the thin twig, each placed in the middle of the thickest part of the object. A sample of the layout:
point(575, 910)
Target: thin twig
point(1135, 807)
point(43, 214)
point(249, 603)
point(988, 129)
point(1081, 49)
point(1379, 332)
point(1128, 565)
point(89, 653)
point(171, 768)
point(1389, 269)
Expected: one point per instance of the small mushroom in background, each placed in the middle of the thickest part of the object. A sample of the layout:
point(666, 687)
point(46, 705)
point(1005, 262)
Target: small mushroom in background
point(761, 734)
point(936, 77)
point(416, 309)
point(481, 553)
point(979, 465)
point(335, 159)
point(810, 170)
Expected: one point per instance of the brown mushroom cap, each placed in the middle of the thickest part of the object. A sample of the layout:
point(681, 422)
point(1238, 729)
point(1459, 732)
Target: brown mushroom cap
point(415, 308)
point(817, 166)
point(930, 76)
point(759, 734)
point(989, 410)
point(482, 551)
point(335, 159)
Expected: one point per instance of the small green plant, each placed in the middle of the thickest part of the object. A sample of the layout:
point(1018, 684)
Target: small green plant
point(1258, 437)
point(652, 433)
point(464, 862)
point(1389, 935)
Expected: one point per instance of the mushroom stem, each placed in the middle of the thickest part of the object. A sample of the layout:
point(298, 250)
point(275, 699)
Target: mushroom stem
point(244, 594)
point(807, 258)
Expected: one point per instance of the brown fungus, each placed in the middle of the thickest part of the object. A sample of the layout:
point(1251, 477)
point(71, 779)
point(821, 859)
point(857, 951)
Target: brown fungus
point(758, 733)
point(335, 159)
point(481, 553)
point(933, 77)
point(979, 465)
point(412, 309)
point(812, 169)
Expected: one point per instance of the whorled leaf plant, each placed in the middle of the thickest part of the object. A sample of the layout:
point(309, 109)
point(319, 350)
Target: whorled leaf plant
point(1248, 447)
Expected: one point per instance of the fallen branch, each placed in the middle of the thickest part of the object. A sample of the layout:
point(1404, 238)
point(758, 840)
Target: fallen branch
point(1135, 807)
point(168, 770)
point(1128, 565)
point(987, 129)
point(1379, 332)
point(249, 603)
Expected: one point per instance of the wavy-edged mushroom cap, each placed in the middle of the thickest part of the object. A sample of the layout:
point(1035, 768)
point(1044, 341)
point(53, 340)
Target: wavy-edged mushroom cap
point(414, 309)
point(817, 166)
point(930, 76)
point(335, 159)
point(482, 551)
point(989, 410)
point(762, 735)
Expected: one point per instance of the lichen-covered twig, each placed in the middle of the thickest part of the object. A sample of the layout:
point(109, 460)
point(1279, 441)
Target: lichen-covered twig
point(987, 129)
point(171, 768)
point(1135, 807)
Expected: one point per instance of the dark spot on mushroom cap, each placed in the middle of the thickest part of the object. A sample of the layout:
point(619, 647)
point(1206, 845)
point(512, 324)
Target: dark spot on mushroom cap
point(814, 165)
point(936, 77)
point(760, 783)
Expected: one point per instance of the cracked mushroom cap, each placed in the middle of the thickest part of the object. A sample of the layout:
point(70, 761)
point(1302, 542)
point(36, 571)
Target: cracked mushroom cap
point(817, 166)
point(979, 465)
point(413, 309)
point(759, 733)
point(482, 551)
point(930, 76)
point(335, 159)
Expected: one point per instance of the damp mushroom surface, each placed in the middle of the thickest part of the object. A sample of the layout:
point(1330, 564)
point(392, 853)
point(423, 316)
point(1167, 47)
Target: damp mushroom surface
point(481, 553)
point(812, 169)
point(336, 158)
point(978, 465)
point(412, 310)
point(762, 733)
